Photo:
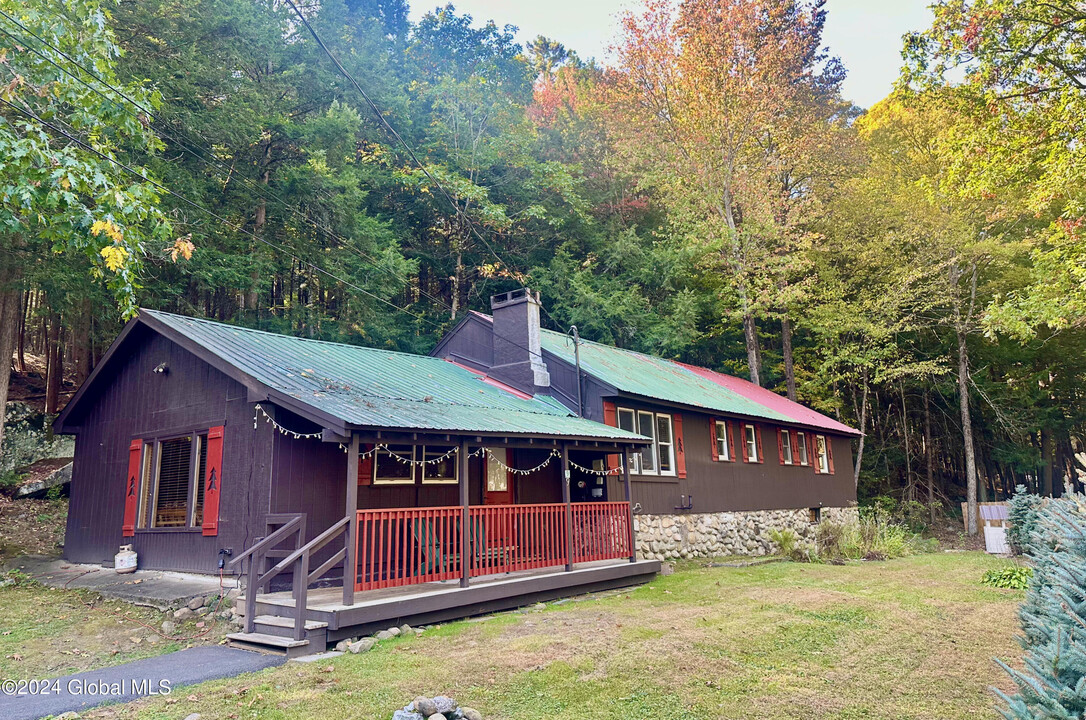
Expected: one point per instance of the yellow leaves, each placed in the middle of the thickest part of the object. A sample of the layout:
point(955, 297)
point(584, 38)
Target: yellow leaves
point(109, 228)
point(115, 256)
point(182, 247)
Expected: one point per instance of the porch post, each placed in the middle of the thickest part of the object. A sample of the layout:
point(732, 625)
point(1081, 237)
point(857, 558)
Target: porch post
point(350, 562)
point(629, 500)
point(569, 507)
point(465, 519)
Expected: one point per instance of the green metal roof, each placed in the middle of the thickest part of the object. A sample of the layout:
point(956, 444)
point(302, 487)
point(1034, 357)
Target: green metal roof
point(652, 377)
point(368, 387)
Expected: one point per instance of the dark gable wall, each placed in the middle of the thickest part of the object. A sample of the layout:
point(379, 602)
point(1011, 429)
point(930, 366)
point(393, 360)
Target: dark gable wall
point(735, 486)
point(128, 401)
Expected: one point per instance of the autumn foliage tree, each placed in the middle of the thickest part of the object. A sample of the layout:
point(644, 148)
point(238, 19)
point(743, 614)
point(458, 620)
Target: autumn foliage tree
point(718, 105)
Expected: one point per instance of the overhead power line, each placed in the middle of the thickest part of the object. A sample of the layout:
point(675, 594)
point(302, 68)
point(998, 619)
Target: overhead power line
point(265, 192)
point(231, 224)
point(392, 131)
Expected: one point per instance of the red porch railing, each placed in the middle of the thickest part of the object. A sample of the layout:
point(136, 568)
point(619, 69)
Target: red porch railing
point(417, 545)
point(505, 538)
point(407, 546)
point(601, 531)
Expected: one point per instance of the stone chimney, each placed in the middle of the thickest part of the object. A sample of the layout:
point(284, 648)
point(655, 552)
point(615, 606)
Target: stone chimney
point(518, 360)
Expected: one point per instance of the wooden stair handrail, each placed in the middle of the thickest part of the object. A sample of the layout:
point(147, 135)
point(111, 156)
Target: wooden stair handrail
point(275, 538)
point(308, 549)
point(298, 559)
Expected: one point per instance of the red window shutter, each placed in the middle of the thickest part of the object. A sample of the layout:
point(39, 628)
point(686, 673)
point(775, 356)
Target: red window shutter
point(610, 417)
point(365, 465)
point(829, 452)
point(812, 453)
point(213, 481)
point(794, 438)
point(712, 440)
point(680, 446)
point(743, 444)
point(730, 427)
point(131, 489)
point(758, 443)
point(780, 447)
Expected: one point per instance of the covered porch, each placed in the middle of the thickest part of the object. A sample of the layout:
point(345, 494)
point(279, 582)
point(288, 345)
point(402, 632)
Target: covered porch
point(492, 541)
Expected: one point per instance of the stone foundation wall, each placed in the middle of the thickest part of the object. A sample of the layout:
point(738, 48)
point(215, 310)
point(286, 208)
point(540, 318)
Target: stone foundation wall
point(669, 537)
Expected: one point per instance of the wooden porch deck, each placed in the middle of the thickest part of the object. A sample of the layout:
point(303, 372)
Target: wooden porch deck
point(445, 600)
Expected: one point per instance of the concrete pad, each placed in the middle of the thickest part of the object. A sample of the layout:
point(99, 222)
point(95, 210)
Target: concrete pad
point(162, 675)
point(318, 657)
point(155, 588)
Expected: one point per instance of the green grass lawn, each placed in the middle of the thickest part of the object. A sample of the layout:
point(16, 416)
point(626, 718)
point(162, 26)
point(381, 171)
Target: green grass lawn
point(46, 632)
point(908, 638)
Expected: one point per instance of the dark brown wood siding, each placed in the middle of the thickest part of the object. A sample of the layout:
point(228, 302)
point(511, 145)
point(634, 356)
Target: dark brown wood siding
point(735, 486)
point(129, 400)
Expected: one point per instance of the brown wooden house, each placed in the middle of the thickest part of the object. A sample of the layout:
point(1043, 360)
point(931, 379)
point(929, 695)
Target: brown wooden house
point(377, 486)
point(719, 444)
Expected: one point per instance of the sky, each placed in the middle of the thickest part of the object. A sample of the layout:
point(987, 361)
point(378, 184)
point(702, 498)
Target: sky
point(865, 34)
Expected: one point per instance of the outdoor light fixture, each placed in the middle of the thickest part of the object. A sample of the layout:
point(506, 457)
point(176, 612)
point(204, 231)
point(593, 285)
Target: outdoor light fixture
point(162, 368)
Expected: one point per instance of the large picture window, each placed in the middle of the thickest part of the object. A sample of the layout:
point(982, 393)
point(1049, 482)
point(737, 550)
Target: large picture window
point(172, 486)
point(658, 458)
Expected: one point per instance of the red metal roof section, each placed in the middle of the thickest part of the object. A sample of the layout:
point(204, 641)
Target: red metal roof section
point(801, 414)
point(491, 381)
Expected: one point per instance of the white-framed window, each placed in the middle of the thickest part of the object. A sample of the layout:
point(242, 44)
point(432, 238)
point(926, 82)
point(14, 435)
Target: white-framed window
point(627, 420)
point(801, 444)
point(750, 437)
point(665, 445)
point(389, 467)
point(646, 426)
point(822, 454)
point(786, 447)
point(659, 458)
point(722, 450)
point(441, 466)
point(172, 487)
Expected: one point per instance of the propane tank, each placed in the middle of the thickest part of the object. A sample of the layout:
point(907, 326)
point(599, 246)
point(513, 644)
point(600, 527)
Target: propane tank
point(125, 560)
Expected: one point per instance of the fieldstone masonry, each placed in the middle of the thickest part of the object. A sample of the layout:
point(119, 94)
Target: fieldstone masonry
point(669, 537)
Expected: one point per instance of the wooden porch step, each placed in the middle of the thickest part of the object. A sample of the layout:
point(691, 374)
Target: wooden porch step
point(270, 644)
point(285, 622)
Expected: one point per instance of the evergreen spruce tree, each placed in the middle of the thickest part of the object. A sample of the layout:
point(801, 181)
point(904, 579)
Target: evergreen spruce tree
point(1053, 682)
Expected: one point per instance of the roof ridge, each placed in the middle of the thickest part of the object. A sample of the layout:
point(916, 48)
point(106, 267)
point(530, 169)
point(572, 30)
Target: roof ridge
point(256, 331)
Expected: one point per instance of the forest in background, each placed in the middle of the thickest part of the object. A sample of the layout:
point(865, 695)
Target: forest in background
point(915, 269)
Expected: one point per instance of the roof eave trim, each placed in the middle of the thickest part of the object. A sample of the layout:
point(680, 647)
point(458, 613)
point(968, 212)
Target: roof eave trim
point(849, 432)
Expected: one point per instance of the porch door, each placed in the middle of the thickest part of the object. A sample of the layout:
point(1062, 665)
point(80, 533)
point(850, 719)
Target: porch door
point(499, 481)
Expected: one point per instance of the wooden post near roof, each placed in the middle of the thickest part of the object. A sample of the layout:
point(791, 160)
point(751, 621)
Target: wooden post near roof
point(465, 527)
point(350, 561)
point(569, 507)
point(629, 500)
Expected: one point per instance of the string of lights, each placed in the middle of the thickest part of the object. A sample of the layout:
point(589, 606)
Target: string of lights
point(591, 471)
point(282, 430)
